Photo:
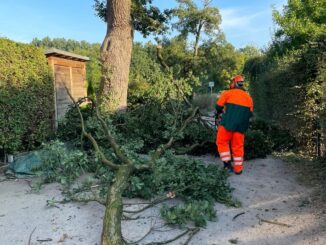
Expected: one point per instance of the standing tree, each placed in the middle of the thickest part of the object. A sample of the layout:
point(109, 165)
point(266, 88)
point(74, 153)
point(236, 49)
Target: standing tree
point(116, 55)
point(122, 18)
point(194, 20)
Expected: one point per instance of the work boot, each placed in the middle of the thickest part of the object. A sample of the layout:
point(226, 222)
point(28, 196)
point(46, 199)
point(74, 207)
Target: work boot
point(228, 166)
point(237, 169)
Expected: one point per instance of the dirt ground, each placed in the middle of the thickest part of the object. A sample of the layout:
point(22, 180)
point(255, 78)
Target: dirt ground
point(267, 189)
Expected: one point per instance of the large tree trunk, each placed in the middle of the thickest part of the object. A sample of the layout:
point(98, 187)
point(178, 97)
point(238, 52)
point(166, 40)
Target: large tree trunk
point(116, 56)
point(111, 233)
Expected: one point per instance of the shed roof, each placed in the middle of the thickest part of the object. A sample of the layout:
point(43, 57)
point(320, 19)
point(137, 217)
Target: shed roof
point(64, 54)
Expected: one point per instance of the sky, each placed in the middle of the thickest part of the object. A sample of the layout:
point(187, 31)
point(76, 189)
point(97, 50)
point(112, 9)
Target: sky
point(244, 22)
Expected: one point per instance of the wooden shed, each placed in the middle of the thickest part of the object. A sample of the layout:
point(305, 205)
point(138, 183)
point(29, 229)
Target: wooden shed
point(69, 70)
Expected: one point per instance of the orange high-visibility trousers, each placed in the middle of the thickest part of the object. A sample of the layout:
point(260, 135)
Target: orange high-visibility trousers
point(223, 140)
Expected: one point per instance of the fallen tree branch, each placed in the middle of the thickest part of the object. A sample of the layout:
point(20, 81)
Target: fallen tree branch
point(271, 222)
point(140, 239)
point(166, 146)
point(45, 240)
point(126, 217)
point(189, 149)
point(90, 137)
point(174, 238)
point(152, 204)
point(236, 216)
point(30, 237)
point(192, 234)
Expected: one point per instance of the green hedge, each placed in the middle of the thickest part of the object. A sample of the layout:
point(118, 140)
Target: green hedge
point(288, 90)
point(26, 96)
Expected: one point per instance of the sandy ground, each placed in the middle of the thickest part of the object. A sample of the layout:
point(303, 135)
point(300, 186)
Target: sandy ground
point(266, 189)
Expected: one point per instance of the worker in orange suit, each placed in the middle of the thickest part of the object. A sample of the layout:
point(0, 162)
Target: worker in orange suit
point(234, 109)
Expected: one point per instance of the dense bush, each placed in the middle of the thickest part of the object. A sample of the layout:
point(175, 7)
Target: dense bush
point(287, 81)
point(280, 139)
point(69, 129)
point(288, 90)
point(62, 165)
point(257, 144)
point(26, 96)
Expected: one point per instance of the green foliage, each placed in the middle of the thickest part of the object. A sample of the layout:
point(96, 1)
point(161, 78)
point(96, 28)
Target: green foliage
point(300, 22)
point(192, 180)
point(263, 138)
point(221, 63)
point(194, 20)
point(69, 129)
point(257, 144)
point(61, 165)
point(26, 96)
point(197, 212)
point(146, 17)
point(288, 91)
point(141, 186)
point(279, 138)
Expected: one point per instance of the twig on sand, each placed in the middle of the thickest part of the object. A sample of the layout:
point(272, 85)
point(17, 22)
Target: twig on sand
point(30, 237)
point(191, 235)
point(152, 204)
point(45, 240)
point(271, 222)
point(236, 216)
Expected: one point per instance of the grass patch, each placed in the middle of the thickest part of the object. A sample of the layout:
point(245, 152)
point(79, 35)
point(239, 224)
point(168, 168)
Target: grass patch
point(311, 172)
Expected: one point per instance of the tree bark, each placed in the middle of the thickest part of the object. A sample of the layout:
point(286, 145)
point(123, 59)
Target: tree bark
point(111, 232)
point(116, 56)
point(197, 39)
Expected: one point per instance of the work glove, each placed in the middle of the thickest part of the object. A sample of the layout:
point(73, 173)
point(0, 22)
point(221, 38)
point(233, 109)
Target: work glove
point(218, 119)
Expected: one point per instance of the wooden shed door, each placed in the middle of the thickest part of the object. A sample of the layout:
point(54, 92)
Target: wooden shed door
point(62, 80)
point(78, 83)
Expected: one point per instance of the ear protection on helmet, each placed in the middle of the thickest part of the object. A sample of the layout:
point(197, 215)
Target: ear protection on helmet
point(235, 80)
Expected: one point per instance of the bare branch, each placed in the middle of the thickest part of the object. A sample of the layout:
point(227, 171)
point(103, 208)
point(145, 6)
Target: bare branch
point(194, 146)
point(90, 137)
point(272, 222)
point(30, 237)
point(163, 148)
point(112, 141)
point(152, 204)
point(192, 234)
point(188, 230)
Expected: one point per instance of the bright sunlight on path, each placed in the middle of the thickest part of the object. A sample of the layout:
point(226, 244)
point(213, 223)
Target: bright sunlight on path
point(275, 210)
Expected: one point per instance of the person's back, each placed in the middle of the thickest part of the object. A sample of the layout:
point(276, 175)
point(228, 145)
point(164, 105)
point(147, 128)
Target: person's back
point(238, 107)
point(235, 107)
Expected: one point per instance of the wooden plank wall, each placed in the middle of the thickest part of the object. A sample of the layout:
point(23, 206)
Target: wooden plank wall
point(70, 74)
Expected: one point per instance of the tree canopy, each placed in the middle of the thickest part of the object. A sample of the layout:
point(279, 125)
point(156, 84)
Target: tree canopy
point(194, 20)
point(300, 21)
point(146, 17)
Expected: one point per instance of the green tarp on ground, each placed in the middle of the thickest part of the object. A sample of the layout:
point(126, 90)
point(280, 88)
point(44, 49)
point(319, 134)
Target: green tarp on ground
point(25, 163)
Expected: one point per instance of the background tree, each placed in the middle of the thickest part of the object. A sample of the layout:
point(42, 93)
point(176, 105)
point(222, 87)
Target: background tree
point(299, 22)
point(195, 20)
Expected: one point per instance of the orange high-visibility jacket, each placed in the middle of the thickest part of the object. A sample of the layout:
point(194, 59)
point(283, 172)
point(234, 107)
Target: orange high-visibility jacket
point(238, 107)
